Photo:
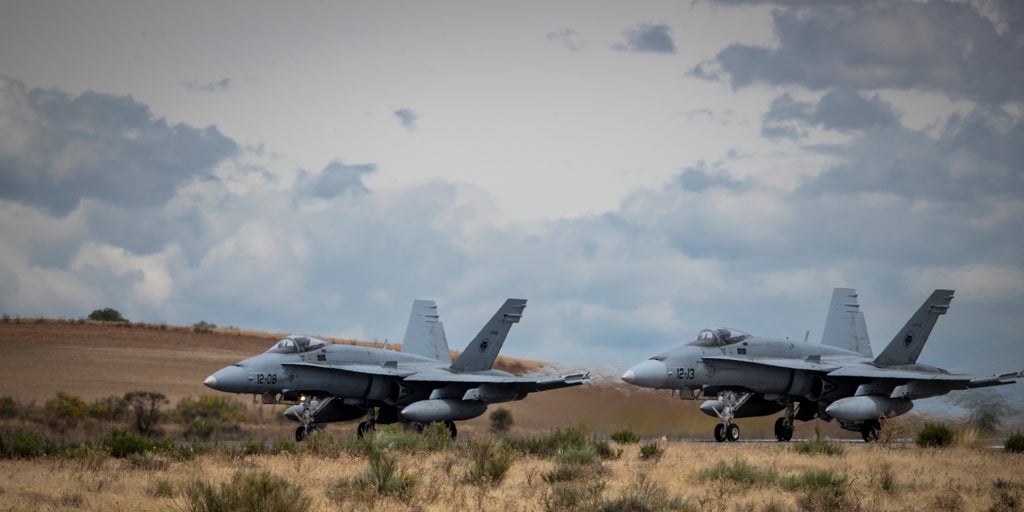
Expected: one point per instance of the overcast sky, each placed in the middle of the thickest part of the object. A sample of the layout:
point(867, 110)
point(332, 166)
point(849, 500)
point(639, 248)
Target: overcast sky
point(637, 171)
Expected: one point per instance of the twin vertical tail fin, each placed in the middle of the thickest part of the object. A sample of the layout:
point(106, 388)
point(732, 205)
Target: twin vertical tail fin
point(906, 346)
point(845, 327)
point(483, 350)
point(424, 336)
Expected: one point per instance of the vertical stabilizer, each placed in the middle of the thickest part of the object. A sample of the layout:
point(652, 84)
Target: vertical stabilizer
point(845, 327)
point(424, 336)
point(906, 346)
point(483, 350)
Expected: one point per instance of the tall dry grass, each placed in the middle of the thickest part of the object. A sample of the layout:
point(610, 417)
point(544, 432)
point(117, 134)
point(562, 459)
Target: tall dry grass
point(876, 478)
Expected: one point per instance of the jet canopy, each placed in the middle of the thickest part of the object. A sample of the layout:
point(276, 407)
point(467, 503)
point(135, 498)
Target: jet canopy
point(296, 345)
point(718, 337)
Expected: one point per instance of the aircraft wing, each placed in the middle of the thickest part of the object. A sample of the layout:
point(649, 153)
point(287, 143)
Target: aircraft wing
point(517, 382)
point(371, 369)
point(789, 364)
point(868, 372)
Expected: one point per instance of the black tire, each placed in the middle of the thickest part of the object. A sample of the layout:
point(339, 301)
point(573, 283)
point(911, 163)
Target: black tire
point(719, 432)
point(301, 434)
point(783, 433)
point(732, 433)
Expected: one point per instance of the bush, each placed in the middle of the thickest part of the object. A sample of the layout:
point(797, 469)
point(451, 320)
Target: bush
point(111, 408)
point(1014, 443)
point(23, 444)
point(145, 409)
point(8, 408)
point(1006, 496)
point(501, 420)
point(651, 451)
point(823, 490)
point(385, 477)
point(563, 444)
point(123, 444)
point(490, 463)
point(65, 411)
point(739, 471)
point(625, 436)
point(107, 315)
point(204, 416)
point(934, 435)
point(203, 326)
point(248, 490)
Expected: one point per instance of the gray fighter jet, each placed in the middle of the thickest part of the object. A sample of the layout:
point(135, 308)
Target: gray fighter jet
point(330, 382)
point(740, 375)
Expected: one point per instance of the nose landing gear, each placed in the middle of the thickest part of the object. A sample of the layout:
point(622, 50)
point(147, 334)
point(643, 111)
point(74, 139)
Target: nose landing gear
point(731, 401)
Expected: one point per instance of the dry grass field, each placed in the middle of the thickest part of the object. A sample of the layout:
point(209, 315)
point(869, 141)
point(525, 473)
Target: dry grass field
point(95, 360)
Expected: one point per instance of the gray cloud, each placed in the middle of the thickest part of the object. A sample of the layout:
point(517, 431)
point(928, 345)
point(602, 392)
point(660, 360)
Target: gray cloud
point(340, 179)
point(568, 38)
point(938, 46)
point(219, 85)
point(62, 149)
point(647, 38)
point(840, 109)
point(408, 117)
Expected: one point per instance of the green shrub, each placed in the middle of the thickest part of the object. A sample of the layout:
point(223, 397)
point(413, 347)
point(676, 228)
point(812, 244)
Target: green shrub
point(123, 444)
point(384, 476)
point(253, 447)
point(582, 496)
point(490, 463)
point(934, 435)
point(248, 490)
point(111, 408)
point(823, 490)
point(564, 445)
point(107, 315)
point(563, 473)
point(219, 407)
point(65, 411)
point(625, 436)
point(819, 447)
point(651, 451)
point(739, 471)
point(23, 444)
point(1014, 443)
point(8, 408)
point(501, 420)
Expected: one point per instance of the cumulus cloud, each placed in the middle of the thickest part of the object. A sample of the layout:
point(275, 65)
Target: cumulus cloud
point(408, 117)
point(62, 149)
point(338, 179)
point(646, 38)
point(840, 109)
point(939, 46)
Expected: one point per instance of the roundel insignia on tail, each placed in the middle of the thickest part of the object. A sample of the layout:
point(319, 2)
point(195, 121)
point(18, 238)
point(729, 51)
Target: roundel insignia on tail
point(483, 344)
point(909, 339)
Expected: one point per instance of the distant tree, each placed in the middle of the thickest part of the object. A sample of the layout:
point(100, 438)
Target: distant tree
point(107, 315)
point(203, 326)
point(65, 411)
point(145, 409)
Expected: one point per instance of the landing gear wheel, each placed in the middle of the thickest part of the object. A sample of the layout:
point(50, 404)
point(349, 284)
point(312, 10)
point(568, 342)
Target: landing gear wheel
point(783, 433)
point(719, 432)
point(870, 431)
point(363, 428)
point(301, 434)
point(450, 425)
point(732, 433)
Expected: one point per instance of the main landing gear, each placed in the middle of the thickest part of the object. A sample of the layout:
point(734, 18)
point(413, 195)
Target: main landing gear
point(731, 401)
point(784, 425)
point(871, 430)
point(368, 426)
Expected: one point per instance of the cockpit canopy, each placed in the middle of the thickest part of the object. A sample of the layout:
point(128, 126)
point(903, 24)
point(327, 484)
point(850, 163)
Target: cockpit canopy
point(718, 337)
point(296, 345)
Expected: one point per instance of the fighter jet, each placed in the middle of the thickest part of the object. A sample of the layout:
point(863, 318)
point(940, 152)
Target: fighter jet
point(740, 375)
point(330, 382)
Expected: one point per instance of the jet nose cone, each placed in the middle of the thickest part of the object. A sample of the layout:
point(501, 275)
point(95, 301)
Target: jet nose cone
point(649, 374)
point(232, 379)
